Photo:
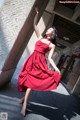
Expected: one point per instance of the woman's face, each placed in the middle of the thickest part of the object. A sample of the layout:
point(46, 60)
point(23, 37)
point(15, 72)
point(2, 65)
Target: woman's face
point(50, 32)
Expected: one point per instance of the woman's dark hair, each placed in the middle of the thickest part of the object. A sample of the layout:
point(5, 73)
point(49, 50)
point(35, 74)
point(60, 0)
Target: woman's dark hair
point(54, 36)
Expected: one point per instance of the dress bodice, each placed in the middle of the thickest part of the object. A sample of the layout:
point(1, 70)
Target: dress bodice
point(41, 47)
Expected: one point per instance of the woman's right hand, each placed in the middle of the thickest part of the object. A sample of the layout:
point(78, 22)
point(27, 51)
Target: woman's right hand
point(36, 9)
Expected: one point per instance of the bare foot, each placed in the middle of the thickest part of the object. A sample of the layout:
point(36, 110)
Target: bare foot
point(23, 112)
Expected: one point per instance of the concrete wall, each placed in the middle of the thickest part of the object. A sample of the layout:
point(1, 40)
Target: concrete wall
point(12, 17)
point(16, 20)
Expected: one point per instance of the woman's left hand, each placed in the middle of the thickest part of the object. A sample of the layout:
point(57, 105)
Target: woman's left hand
point(58, 71)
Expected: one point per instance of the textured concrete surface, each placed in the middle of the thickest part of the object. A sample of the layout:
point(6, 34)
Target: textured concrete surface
point(12, 17)
point(52, 105)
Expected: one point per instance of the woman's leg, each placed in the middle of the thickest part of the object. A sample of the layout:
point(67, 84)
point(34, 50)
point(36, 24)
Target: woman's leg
point(23, 111)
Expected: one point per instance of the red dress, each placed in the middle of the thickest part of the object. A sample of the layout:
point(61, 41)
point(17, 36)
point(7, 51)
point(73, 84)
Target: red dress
point(35, 73)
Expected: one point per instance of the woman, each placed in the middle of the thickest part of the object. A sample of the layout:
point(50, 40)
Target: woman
point(35, 74)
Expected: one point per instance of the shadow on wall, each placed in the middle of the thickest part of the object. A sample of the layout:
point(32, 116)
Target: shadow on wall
point(53, 106)
point(4, 48)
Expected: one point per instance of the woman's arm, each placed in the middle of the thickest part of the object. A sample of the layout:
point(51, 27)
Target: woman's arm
point(35, 25)
point(50, 57)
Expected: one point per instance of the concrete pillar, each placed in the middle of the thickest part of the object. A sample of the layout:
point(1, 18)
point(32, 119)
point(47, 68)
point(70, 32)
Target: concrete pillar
point(20, 43)
point(51, 6)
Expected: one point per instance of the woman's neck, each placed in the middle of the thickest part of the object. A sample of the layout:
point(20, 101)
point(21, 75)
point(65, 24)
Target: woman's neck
point(48, 38)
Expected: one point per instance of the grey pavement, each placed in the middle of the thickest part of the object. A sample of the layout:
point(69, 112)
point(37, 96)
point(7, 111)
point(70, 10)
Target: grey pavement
point(58, 104)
